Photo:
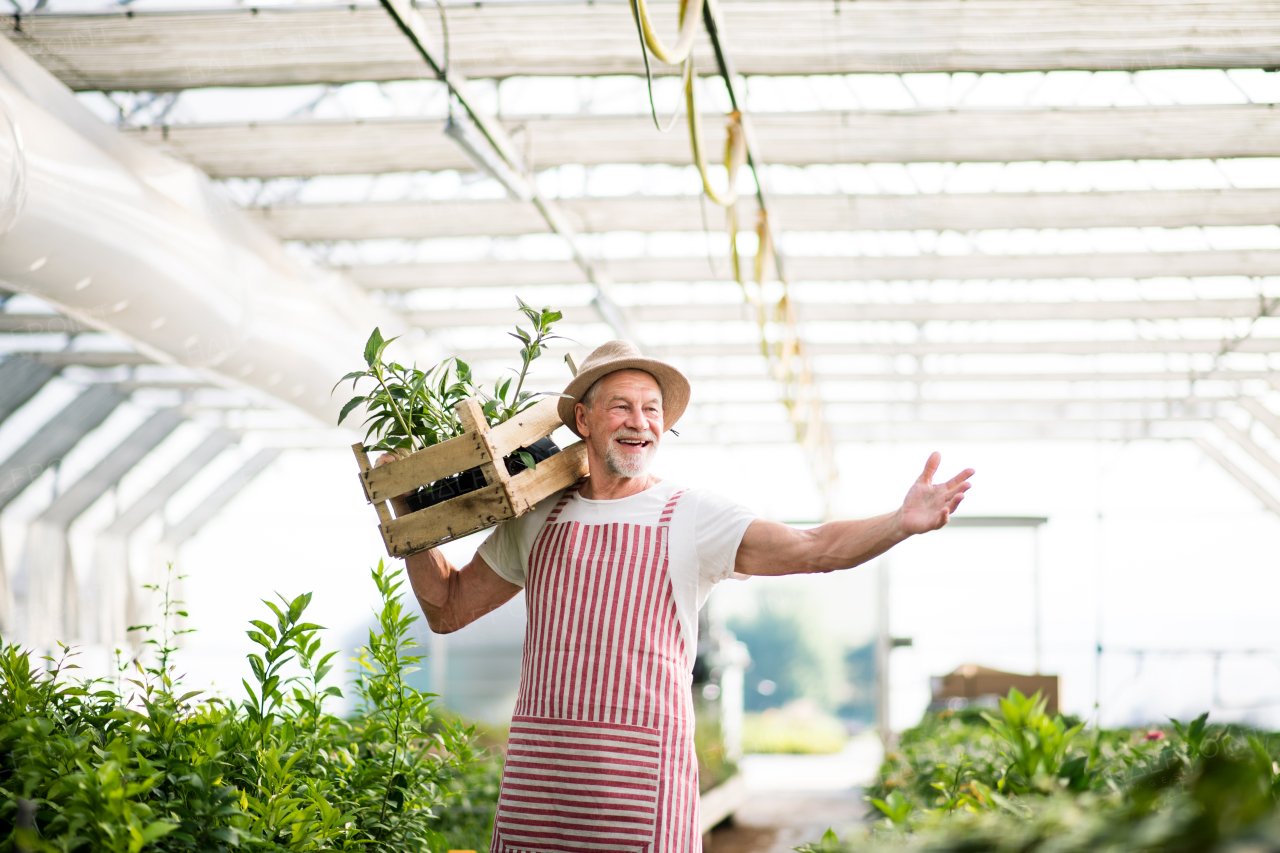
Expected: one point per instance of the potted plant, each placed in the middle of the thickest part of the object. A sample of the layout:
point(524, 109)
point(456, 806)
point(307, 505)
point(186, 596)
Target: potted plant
point(441, 418)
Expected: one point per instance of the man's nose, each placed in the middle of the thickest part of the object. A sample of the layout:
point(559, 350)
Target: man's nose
point(637, 420)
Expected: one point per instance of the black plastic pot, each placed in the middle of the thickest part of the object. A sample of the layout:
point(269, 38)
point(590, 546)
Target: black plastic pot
point(472, 480)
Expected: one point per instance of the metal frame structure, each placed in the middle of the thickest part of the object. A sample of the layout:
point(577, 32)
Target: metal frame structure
point(118, 602)
point(53, 599)
point(283, 45)
point(1180, 341)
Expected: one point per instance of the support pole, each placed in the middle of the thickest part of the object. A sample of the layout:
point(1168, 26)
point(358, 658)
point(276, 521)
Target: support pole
point(1035, 583)
point(884, 644)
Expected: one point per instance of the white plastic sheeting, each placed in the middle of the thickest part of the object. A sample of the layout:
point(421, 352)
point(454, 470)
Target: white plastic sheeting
point(129, 241)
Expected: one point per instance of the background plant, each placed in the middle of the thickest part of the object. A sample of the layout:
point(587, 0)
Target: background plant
point(1022, 780)
point(409, 409)
point(143, 765)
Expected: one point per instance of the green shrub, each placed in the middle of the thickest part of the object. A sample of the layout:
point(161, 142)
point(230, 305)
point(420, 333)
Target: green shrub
point(1023, 781)
point(143, 765)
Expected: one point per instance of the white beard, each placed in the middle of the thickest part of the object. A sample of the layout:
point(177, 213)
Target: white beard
point(623, 464)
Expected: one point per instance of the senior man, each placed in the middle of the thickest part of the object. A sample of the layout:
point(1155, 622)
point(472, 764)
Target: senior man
point(614, 570)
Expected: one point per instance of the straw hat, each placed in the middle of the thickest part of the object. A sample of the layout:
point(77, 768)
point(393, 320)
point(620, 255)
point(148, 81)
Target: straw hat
point(624, 355)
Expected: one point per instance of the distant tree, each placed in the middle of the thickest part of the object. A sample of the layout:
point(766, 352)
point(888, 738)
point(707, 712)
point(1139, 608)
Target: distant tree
point(787, 657)
point(860, 680)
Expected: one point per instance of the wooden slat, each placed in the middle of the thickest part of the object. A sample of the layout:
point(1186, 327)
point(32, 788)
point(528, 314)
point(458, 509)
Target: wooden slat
point(494, 466)
point(1100, 265)
point(282, 46)
point(924, 212)
point(525, 428)
point(486, 507)
point(529, 488)
point(306, 148)
point(379, 506)
point(446, 521)
point(423, 467)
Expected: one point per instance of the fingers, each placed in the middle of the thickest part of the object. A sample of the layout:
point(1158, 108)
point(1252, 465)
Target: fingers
point(389, 456)
point(961, 477)
point(931, 467)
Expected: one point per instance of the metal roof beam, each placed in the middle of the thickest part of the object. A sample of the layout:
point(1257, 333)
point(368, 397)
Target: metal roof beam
point(221, 495)
point(88, 358)
point(1257, 451)
point(116, 590)
point(21, 378)
point(921, 349)
point(53, 441)
point(168, 485)
point(1258, 490)
point(879, 312)
point(52, 600)
point(977, 410)
point(923, 212)
point(927, 377)
point(297, 148)
point(966, 431)
point(80, 495)
point(1096, 265)
point(283, 46)
point(1261, 413)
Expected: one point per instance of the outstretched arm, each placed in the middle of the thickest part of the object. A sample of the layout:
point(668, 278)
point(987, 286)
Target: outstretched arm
point(452, 598)
point(769, 548)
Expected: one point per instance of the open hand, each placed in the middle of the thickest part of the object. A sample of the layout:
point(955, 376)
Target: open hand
point(928, 506)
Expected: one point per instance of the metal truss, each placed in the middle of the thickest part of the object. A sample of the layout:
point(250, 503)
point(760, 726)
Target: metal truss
point(52, 604)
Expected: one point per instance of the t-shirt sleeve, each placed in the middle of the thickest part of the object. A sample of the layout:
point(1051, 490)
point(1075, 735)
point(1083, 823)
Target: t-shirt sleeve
point(721, 524)
point(508, 547)
point(504, 552)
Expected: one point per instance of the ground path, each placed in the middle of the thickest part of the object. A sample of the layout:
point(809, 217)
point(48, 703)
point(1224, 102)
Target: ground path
point(794, 798)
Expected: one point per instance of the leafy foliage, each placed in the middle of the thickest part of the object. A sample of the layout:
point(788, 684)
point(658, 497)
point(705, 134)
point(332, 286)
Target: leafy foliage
point(409, 409)
point(1022, 781)
point(167, 770)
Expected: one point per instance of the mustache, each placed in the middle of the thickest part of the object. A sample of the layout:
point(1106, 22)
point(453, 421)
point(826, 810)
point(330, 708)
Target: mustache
point(639, 435)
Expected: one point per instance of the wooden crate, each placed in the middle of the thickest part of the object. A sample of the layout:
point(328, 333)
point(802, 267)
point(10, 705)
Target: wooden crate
point(504, 495)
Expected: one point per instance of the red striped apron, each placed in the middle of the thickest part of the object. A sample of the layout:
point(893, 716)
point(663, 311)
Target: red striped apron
point(601, 751)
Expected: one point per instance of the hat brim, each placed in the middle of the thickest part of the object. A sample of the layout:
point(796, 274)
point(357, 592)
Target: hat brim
point(674, 385)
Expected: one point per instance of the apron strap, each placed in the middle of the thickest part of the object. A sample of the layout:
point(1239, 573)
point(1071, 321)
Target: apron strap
point(665, 519)
point(561, 504)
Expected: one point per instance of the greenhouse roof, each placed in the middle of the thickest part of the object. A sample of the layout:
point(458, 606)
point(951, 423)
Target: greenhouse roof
point(999, 219)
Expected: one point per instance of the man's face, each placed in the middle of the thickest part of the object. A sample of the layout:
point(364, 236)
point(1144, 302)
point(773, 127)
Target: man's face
point(624, 422)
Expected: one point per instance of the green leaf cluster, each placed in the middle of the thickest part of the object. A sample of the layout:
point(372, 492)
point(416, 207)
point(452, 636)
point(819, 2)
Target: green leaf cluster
point(139, 764)
point(1021, 780)
point(410, 409)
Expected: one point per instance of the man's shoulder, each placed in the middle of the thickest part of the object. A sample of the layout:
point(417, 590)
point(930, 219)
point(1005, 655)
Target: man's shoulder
point(709, 513)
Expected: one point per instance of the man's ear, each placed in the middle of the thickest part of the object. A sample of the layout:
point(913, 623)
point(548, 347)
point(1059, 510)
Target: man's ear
point(580, 417)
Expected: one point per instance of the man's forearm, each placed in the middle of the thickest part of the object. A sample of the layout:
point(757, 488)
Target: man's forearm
point(845, 544)
point(769, 548)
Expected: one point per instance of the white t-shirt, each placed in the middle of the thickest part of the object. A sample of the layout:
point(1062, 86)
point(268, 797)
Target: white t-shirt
point(705, 533)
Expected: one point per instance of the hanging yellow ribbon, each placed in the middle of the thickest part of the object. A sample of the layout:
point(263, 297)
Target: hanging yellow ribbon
point(689, 19)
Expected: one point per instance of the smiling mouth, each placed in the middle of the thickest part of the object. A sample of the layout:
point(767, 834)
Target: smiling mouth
point(637, 443)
